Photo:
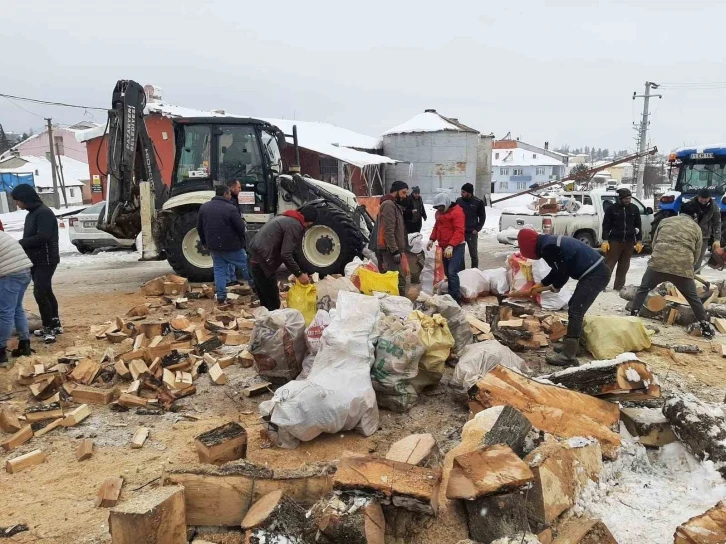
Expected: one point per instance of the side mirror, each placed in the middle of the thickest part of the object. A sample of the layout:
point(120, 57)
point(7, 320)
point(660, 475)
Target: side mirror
point(649, 210)
point(281, 141)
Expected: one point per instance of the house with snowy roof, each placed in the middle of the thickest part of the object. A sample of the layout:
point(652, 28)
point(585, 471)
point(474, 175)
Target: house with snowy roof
point(72, 175)
point(64, 143)
point(516, 166)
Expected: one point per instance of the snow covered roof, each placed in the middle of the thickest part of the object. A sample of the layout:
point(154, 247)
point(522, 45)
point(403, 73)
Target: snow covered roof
point(522, 157)
point(74, 172)
point(429, 121)
point(322, 138)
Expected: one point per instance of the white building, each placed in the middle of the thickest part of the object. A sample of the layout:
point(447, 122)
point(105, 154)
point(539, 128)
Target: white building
point(74, 174)
point(517, 169)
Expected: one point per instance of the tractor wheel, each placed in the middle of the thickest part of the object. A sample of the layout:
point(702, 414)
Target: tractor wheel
point(184, 250)
point(331, 243)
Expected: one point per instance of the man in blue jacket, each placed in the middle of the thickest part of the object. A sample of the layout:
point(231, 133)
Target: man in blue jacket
point(568, 258)
point(222, 232)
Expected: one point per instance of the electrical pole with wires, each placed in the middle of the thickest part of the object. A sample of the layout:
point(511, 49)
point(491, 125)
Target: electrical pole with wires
point(643, 135)
point(61, 177)
point(56, 196)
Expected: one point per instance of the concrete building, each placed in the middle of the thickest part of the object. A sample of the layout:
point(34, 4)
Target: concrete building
point(516, 166)
point(437, 153)
point(64, 141)
point(73, 173)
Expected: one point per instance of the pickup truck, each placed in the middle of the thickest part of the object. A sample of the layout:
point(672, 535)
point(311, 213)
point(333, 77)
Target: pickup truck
point(584, 224)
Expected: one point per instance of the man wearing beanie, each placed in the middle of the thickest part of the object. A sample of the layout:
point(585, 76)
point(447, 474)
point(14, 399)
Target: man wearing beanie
point(276, 243)
point(476, 215)
point(708, 217)
point(414, 213)
point(449, 233)
point(390, 234)
point(568, 258)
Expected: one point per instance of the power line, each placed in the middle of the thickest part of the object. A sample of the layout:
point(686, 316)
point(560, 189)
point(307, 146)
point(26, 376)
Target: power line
point(22, 108)
point(50, 103)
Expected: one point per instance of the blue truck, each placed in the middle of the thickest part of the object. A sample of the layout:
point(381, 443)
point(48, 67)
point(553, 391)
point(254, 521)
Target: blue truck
point(695, 168)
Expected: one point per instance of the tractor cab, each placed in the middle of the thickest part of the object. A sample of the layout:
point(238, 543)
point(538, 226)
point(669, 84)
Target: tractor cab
point(697, 168)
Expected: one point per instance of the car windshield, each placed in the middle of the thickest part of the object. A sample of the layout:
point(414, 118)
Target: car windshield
point(692, 177)
point(96, 208)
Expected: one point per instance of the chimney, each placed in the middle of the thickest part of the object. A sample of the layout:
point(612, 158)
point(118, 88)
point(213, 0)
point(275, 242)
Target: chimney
point(430, 111)
point(547, 146)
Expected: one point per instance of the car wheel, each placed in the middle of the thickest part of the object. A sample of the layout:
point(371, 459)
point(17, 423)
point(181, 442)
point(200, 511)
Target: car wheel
point(84, 250)
point(585, 237)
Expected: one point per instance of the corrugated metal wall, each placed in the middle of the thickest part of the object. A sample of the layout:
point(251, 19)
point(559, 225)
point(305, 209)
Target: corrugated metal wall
point(442, 161)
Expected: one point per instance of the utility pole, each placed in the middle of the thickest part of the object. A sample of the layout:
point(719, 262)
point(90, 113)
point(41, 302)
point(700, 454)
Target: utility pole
point(56, 196)
point(61, 176)
point(643, 136)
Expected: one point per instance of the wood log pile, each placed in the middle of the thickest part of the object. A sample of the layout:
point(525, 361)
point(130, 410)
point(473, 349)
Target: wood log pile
point(667, 304)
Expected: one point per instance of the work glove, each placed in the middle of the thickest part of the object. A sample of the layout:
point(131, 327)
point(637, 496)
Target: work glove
point(716, 245)
point(605, 247)
point(429, 245)
point(638, 247)
point(536, 289)
point(448, 252)
point(397, 257)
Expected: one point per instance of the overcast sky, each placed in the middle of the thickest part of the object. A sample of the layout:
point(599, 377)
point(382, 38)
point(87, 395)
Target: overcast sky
point(558, 70)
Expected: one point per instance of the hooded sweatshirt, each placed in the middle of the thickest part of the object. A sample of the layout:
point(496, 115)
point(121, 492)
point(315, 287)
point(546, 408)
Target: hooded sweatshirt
point(40, 234)
point(449, 227)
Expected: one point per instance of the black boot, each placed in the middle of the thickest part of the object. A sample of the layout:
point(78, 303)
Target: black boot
point(56, 327)
point(23, 349)
point(707, 329)
point(48, 335)
point(3, 357)
point(568, 355)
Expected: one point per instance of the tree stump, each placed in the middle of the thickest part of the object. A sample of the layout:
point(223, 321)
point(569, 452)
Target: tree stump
point(156, 516)
point(277, 515)
point(349, 522)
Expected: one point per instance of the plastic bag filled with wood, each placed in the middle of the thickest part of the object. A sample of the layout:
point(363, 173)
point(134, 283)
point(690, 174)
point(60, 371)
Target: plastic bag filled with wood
point(473, 283)
point(398, 353)
point(313, 340)
point(438, 342)
point(480, 358)
point(394, 305)
point(454, 315)
point(278, 344)
point(607, 336)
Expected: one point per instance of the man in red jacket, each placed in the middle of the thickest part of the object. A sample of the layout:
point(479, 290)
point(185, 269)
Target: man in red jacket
point(449, 233)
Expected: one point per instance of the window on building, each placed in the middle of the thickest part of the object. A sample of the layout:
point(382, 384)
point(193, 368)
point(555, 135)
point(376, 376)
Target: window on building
point(329, 170)
point(521, 185)
point(496, 155)
point(504, 171)
point(534, 155)
point(518, 172)
point(72, 194)
point(540, 171)
point(58, 141)
point(503, 186)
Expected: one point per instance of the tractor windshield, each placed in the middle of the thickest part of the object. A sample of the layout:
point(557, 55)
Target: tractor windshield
point(693, 177)
point(194, 155)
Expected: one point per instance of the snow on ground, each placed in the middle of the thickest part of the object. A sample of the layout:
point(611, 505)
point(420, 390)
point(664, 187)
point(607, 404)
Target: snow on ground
point(644, 496)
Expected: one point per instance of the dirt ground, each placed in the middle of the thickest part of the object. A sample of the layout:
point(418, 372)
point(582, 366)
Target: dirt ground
point(56, 499)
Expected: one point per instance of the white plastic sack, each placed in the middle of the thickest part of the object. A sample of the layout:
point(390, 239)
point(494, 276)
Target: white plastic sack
point(338, 394)
point(498, 283)
point(313, 340)
point(473, 283)
point(398, 352)
point(328, 289)
point(277, 343)
point(454, 315)
point(394, 305)
point(415, 242)
point(427, 275)
point(478, 359)
point(540, 269)
point(555, 301)
point(351, 267)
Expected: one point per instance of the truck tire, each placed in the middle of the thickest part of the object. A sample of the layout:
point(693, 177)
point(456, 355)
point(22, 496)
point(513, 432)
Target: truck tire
point(585, 237)
point(331, 243)
point(183, 249)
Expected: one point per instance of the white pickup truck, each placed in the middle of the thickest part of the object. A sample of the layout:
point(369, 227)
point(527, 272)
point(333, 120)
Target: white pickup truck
point(585, 224)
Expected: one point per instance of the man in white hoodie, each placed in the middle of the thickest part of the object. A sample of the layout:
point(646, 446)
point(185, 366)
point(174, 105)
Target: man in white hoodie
point(14, 280)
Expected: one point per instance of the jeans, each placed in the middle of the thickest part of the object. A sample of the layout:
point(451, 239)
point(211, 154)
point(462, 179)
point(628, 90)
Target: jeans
point(704, 249)
point(12, 291)
point(619, 255)
point(224, 261)
point(265, 287)
point(452, 267)
point(686, 286)
point(43, 292)
point(472, 241)
point(587, 290)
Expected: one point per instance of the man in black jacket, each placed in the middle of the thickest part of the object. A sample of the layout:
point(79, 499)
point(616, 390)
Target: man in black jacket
point(623, 233)
point(222, 232)
point(235, 188)
point(277, 243)
point(40, 242)
point(476, 215)
point(414, 213)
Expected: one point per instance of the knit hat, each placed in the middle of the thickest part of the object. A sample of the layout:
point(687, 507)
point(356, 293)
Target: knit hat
point(468, 188)
point(416, 190)
point(527, 239)
point(398, 186)
point(704, 193)
point(442, 199)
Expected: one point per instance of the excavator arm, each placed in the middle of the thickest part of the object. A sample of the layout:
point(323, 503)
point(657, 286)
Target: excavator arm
point(131, 205)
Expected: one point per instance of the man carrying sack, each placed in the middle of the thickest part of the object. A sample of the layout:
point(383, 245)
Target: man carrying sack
point(390, 232)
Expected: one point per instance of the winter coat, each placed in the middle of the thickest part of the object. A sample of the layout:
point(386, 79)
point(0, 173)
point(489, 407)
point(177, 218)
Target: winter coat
point(40, 233)
point(414, 214)
point(276, 243)
point(449, 227)
point(220, 226)
point(622, 223)
point(676, 246)
point(475, 212)
point(12, 257)
point(390, 227)
point(568, 258)
point(709, 219)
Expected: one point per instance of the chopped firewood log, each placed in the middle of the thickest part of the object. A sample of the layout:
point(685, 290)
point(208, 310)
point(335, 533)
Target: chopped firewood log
point(277, 516)
point(234, 338)
point(584, 531)
point(155, 367)
point(208, 345)
point(121, 369)
point(116, 337)
point(177, 289)
point(246, 359)
point(40, 412)
point(138, 311)
point(9, 422)
point(226, 361)
point(86, 371)
point(17, 439)
point(169, 379)
point(672, 316)
point(181, 303)
point(558, 330)
point(511, 324)
point(52, 425)
point(655, 302)
point(257, 389)
point(38, 369)
point(701, 428)
point(406, 486)
point(416, 449)
point(140, 436)
point(156, 515)
point(131, 401)
point(109, 492)
point(151, 329)
point(222, 444)
point(599, 378)
point(349, 522)
point(550, 408)
point(505, 515)
point(137, 367)
point(84, 450)
point(140, 342)
point(505, 313)
point(182, 380)
point(649, 425)
point(133, 388)
point(92, 395)
point(43, 389)
point(487, 471)
point(35, 457)
point(720, 324)
point(180, 323)
point(708, 528)
point(478, 324)
point(510, 428)
point(217, 375)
